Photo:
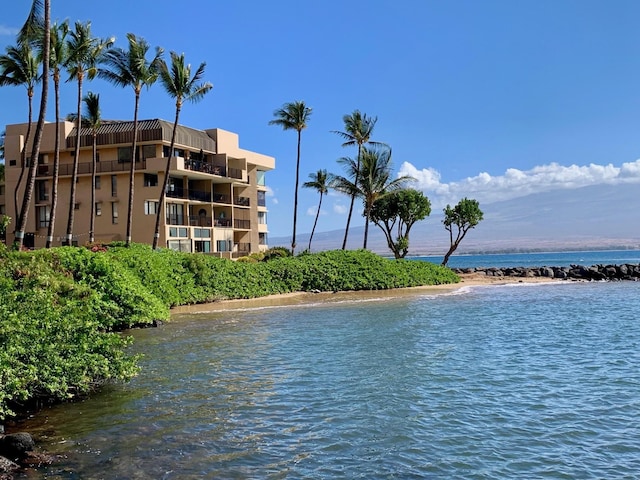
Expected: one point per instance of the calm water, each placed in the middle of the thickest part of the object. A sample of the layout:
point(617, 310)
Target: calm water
point(523, 381)
point(550, 259)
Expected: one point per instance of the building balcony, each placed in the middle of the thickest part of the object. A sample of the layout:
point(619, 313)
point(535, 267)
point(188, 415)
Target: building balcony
point(242, 224)
point(222, 222)
point(66, 169)
point(242, 201)
point(222, 198)
point(197, 195)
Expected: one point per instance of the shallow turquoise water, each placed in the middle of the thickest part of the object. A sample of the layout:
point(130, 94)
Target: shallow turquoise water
point(523, 381)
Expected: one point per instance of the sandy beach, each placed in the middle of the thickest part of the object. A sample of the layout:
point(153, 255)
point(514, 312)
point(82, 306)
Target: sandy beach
point(302, 298)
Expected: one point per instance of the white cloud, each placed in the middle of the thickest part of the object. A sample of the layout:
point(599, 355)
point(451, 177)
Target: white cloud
point(517, 183)
point(4, 30)
point(340, 209)
point(311, 211)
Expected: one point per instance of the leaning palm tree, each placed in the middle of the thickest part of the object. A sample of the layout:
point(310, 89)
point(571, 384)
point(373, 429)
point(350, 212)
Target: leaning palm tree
point(320, 182)
point(57, 58)
point(293, 116)
point(373, 174)
point(92, 120)
point(38, 33)
point(19, 66)
point(131, 68)
point(84, 52)
point(357, 131)
point(181, 85)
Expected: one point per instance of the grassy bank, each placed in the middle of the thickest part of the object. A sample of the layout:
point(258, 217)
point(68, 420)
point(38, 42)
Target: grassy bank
point(60, 309)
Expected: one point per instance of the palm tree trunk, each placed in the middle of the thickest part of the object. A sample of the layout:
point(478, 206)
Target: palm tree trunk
point(315, 221)
point(92, 220)
point(353, 199)
point(76, 157)
point(23, 159)
point(295, 198)
point(132, 170)
point(35, 153)
point(165, 183)
point(366, 228)
point(56, 166)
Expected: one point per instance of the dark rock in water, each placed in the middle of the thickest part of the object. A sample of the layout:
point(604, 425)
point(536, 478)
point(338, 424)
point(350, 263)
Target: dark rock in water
point(16, 445)
point(573, 272)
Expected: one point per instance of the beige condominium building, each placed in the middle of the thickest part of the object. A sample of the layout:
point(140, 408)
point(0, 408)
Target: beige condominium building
point(215, 199)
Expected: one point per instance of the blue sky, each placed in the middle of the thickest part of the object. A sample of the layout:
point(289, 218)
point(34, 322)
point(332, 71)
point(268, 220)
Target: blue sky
point(480, 98)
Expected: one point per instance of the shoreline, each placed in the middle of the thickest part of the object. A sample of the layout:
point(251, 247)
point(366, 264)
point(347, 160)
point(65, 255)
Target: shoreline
point(306, 298)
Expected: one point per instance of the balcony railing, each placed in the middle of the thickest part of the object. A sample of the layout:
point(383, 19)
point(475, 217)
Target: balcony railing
point(222, 198)
point(235, 173)
point(175, 220)
point(243, 247)
point(179, 192)
point(242, 201)
point(222, 222)
point(200, 166)
point(66, 169)
point(200, 221)
point(242, 224)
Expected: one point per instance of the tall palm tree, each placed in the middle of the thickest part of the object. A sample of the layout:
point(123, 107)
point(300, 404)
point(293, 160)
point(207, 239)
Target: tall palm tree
point(36, 32)
point(92, 119)
point(320, 182)
point(357, 131)
point(181, 85)
point(84, 52)
point(373, 174)
point(293, 116)
point(57, 58)
point(131, 68)
point(19, 66)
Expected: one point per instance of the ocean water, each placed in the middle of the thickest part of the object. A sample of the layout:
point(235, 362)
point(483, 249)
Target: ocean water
point(514, 381)
point(549, 259)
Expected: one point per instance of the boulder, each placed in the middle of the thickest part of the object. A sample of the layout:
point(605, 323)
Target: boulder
point(16, 445)
point(7, 467)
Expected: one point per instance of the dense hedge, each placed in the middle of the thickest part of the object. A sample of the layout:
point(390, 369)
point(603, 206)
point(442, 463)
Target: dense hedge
point(60, 308)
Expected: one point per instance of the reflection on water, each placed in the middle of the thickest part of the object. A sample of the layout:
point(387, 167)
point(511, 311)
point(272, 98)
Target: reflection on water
point(497, 383)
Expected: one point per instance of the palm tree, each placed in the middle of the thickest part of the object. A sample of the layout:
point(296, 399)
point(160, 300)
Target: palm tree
point(181, 85)
point(84, 53)
point(357, 131)
point(373, 174)
point(19, 66)
point(36, 32)
point(320, 182)
point(131, 68)
point(293, 116)
point(57, 58)
point(92, 119)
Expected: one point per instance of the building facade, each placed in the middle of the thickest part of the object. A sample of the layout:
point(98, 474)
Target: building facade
point(215, 201)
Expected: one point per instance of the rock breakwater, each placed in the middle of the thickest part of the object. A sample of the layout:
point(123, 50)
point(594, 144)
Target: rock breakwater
point(572, 272)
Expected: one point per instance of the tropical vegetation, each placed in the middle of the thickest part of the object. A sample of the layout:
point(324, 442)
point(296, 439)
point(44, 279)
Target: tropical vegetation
point(458, 220)
point(318, 181)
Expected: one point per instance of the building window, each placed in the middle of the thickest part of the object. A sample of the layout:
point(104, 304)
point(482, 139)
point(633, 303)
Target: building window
point(41, 189)
point(180, 245)
point(12, 163)
point(114, 212)
point(1, 189)
point(223, 246)
point(179, 232)
point(98, 209)
point(175, 214)
point(150, 207)
point(202, 246)
point(262, 218)
point(150, 180)
point(114, 185)
point(262, 239)
point(124, 154)
point(260, 177)
point(201, 233)
point(148, 151)
point(43, 213)
point(262, 199)
point(97, 185)
point(76, 206)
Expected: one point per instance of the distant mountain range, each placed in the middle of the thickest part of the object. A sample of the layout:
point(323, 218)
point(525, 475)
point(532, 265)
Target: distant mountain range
point(588, 218)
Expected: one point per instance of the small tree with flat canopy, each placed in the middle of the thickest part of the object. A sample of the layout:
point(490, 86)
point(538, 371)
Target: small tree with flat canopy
point(396, 213)
point(461, 218)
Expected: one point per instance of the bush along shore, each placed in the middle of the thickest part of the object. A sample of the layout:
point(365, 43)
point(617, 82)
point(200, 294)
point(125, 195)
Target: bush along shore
point(62, 310)
point(573, 272)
